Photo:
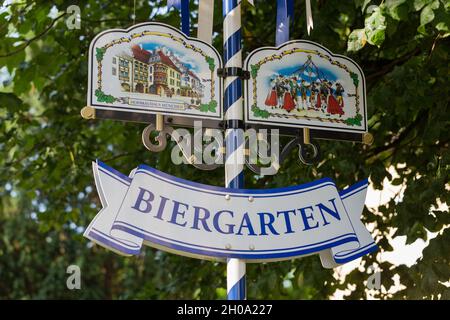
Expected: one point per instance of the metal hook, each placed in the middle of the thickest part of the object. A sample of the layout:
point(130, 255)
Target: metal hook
point(304, 152)
point(308, 153)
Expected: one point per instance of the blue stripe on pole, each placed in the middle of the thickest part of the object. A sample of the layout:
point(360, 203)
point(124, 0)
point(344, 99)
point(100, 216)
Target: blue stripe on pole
point(232, 45)
point(229, 5)
point(185, 17)
point(290, 11)
point(232, 93)
point(238, 290)
point(183, 6)
point(237, 182)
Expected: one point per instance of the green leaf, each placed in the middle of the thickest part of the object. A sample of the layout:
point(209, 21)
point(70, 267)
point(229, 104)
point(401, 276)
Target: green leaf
point(375, 27)
point(419, 4)
point(397, 9)
point(356, 40)
point(427, 15)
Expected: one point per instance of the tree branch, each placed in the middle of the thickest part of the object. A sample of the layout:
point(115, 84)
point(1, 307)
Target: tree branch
point(388, 67)
point(36, 37)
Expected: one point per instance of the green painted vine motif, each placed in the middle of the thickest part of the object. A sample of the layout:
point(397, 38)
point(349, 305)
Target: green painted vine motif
point(355, 78)
point(209, 107)
point(260, 113)
point(355, 121)
point(99, 53)
point(254, 68)
point(211, 63)
point(102, 97)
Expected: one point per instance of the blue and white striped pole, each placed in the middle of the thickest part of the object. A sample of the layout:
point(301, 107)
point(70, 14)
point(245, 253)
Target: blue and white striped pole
point(234, 136)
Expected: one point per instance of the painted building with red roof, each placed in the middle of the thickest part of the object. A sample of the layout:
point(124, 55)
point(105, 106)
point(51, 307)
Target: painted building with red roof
point(156, 72)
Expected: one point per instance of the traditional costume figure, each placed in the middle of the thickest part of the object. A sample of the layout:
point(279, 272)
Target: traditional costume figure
point(298, 95)
point(288, 102)
point(333, 106)
point(280, 90)
point(271, 99)
point(322, 97)
point(339, 93)
point(303, 95)
point(293, 88)
point(308, 95)
point(312, 95)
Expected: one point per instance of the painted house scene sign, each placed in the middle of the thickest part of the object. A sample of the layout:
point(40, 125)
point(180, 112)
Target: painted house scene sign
point(154, 68)
point(302, 84)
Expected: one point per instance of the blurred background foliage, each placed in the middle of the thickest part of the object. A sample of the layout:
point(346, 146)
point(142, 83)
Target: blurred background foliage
point(46, 149)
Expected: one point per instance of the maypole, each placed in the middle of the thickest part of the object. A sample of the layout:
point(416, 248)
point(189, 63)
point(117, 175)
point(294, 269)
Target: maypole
point(234, 136)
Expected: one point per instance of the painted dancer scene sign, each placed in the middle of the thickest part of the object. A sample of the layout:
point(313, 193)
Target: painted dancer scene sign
point(302, 84)
point(207, 222)
point(154, 68)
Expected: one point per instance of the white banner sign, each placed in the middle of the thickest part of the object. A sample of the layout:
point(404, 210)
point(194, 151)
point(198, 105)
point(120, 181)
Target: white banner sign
point(215, 223)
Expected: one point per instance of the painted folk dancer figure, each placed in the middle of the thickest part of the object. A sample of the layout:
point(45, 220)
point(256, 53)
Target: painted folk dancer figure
point(339, 94)
point(303, 87)
point(280, 90)
point(321, 98)
point(291, 93)
point(293, 89)
point(313, 95)
point(288, 101)
point(333, 107)
point(272, 100)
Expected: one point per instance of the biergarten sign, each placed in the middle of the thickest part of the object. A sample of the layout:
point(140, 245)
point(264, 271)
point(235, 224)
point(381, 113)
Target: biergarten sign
point(155, 74)
point(215, 223)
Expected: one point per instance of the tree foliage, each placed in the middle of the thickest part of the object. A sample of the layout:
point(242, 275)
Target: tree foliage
point(46, 186)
